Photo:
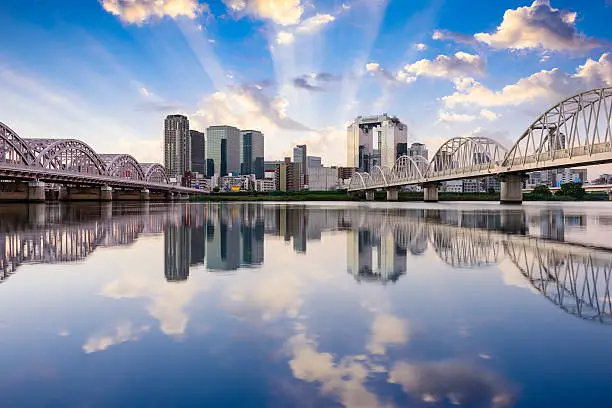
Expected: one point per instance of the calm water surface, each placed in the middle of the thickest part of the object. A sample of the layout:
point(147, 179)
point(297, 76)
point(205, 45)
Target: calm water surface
point(317, 305)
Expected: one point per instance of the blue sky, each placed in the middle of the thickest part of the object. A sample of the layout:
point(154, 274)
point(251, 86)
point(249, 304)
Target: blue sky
point(108, 71)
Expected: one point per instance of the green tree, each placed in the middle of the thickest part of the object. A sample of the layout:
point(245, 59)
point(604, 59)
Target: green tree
point(216, 189)
point(573, 190)
point(542, 190)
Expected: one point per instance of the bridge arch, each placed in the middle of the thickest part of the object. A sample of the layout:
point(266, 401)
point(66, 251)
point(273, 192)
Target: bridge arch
point(410, 167)
point(380, 176)
point(154, 172)
point(360, 181)
point(66, 154)
point(122, 166)
point(466, 155)
point(580, 125)
point(14, 149)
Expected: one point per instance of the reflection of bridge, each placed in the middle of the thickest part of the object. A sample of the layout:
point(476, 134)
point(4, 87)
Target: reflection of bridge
point(575, 278)
point(575, 132)
point(73, 162)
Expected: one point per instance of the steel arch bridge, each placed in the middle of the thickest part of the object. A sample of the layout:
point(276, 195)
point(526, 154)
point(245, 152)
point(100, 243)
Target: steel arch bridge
point(575, 132)
point(73, 161)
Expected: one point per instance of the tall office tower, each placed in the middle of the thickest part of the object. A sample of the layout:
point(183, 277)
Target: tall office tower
point(177, 146)
point(252, 153)
point(374, 139)
point(300, 157)
point(198, 162)
point(222, 150)
point(418, 149)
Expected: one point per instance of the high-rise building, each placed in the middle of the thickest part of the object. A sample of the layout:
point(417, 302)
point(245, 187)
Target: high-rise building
point(313, 161)
point(418, 149)
point(198, 161)
point(222, 150)
point(300, 158)
point(287, 176)
point(177, 146)
point(252, 153)
point(374, 140)
point(401, 150)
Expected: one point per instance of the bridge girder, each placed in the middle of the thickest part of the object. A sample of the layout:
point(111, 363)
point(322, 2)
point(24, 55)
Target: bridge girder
point(14, 149)
point(154, 172)
point(65, 154)
point(123, 166)
point(466, 154)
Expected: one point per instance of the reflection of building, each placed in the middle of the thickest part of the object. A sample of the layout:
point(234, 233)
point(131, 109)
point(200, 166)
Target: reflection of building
point(197, 245)
point(371, 258)
point(176, 253)
point(223, 246)
point(552, 225)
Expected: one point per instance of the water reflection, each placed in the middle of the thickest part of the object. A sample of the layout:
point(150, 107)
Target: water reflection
point(378, 241)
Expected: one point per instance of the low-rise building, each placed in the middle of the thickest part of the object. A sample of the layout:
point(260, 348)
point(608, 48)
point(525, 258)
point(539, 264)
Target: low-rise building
point(323, 178)
point(453, 186)
point(265, 185)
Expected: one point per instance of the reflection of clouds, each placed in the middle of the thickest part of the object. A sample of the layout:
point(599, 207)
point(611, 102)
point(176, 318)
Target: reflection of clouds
point(457, 383)
point(167, 301)
point(344, 379)
point(511, 276)
point(272, 294)
point(122, 333)
point(387, 330)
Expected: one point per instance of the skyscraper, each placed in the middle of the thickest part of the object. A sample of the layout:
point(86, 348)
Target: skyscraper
point(198, 162)
point(177, 146)
point(300, 157)
point(222, 150)
point(374, 139)
point(252, 153)
point(418, 149)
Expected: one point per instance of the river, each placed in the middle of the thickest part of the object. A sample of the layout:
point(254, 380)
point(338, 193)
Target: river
point(306, 305)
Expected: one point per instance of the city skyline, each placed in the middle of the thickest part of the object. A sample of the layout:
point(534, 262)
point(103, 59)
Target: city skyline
point(488, 74)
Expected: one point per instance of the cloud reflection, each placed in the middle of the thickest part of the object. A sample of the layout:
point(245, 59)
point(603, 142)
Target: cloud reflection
point(124, 332)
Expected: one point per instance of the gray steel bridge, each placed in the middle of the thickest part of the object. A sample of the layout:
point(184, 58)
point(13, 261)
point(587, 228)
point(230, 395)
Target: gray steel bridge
point(575, 132)
point(71, 161)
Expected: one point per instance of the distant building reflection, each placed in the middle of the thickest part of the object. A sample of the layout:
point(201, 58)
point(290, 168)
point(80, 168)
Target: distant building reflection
point(375, 258)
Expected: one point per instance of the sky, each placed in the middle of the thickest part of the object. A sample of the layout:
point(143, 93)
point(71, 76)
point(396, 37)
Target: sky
point(108, 72)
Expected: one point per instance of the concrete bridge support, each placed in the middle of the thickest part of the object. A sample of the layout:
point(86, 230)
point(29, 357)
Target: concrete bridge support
point(393, 194)
point(430, 193)
point(145, 195)
point(36, 192)
point(511, 189)
point(106, 193)
point(369, 195)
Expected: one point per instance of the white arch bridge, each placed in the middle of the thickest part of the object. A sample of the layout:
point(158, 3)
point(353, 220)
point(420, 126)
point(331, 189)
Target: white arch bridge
point(71, 162)
point(575, 132)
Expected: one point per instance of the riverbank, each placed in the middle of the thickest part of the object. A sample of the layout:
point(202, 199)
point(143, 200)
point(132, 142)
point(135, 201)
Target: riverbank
point(378, 196)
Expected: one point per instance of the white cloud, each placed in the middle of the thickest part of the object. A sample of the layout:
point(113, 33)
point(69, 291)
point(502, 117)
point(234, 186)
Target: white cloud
point(460, 64)
point(282, 12)
point(285, 37)
point(376, 70)
point(454, 383)
point(544, 58)
point(309, 26)
point(141, 11)
point(448, 117)
point(485, 113)
point(544, 85)
point(420, 47)
point(538, 26)
point(124, 332)
point(443, 35)
point(387, 330)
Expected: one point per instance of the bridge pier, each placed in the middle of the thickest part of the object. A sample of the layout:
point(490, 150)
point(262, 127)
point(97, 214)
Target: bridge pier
point(36, 192)
point(393, 194)
point(106, 193)
point(430, 192)
point(144, 194)
point(511, 189)
point(369, 195)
